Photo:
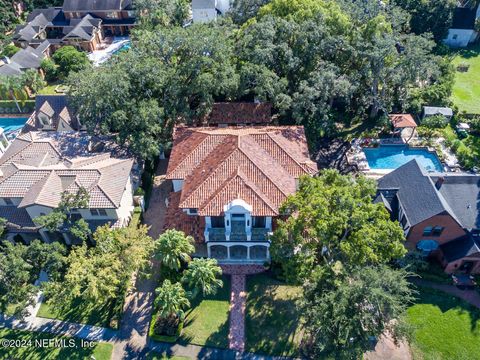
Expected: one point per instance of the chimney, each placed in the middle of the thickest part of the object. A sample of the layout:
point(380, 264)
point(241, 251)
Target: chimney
point(439, 182)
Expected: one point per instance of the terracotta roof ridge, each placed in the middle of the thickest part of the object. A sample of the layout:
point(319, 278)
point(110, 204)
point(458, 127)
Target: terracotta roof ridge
point(212, 173)
point(205, 138)
point(239, 174)
point(260, 169)
point(37, 187)
point(269, 134)
point(256, 190)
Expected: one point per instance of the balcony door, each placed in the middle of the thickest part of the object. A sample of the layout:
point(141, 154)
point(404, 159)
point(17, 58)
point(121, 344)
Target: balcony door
point(238, 223)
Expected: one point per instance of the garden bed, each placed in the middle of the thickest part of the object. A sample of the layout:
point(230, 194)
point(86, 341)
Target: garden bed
point(163, 338)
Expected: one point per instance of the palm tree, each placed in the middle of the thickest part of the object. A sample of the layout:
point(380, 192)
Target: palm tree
point(14, 86)
point(33, 80)
point(171, 300)
point(203, 275)
point(173, 247)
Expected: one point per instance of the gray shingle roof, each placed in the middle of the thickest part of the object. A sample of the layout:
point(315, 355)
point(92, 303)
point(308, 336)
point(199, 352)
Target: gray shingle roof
point(458, 194)
point(416, 192)
point(61, 111)
point(465, 246)
point(100, 5)
point(462, 192)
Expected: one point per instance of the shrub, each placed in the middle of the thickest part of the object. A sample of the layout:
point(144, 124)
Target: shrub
point(166, 326)
point(435, 122)
point(50, 70)
point(70, 60)
point(10, 50)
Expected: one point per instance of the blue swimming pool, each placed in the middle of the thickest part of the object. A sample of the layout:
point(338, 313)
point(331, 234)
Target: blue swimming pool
point(12, 123)
point(394, 156)
point(125, 47)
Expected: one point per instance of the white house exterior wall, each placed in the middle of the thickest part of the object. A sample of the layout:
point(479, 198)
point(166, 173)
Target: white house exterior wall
point(204, 15)
point(177, 185)
point(126, 204)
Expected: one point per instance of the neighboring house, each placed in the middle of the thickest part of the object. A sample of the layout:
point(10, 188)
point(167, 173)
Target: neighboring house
point(440, 213)
point(24, 59)
point(229, 183)
point(52, 113)
point(208, 10)
point(463, 31)
point(80, 23)
point(435, 110)
point(39, 166)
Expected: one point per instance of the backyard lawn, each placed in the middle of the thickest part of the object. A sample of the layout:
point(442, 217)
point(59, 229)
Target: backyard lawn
point(445, 327)
point(272, 320)
point(78, 311)
point(466, 90)
point(207, 322)
point(101, 351)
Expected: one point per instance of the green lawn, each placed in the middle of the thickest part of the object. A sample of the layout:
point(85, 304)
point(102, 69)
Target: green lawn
point(466, 90)
point(50, 89)
point(47, 351)
point(273, 323)
point(78, 311)
point(207, 322)
point(445, 327)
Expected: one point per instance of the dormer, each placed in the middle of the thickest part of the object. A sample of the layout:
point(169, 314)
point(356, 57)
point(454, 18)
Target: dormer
point(65, 121)
point(45, 115)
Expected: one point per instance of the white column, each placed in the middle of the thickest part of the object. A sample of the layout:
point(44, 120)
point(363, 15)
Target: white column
point(209, 253)
point(228, 252)
point(268, 252)
point(268, 223)
point(248, 252)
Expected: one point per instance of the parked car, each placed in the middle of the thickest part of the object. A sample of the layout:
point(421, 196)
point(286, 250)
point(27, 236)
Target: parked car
point(463, 281)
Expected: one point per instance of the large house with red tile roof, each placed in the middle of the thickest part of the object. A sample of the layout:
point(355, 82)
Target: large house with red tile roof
point(229, 183)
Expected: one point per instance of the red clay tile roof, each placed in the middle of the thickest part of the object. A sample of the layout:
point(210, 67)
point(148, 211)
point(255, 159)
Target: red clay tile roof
point(259, 165)
point(240, 113)
point(402, 120)
point(176, 218)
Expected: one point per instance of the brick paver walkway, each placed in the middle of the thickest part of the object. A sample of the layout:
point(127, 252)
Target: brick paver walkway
point(470, 296)
point(238, 295)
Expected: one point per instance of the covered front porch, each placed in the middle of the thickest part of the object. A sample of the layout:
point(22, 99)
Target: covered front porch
point(232, 252)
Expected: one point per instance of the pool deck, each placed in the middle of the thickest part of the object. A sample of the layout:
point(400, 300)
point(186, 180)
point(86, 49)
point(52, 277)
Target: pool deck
point(357, 157)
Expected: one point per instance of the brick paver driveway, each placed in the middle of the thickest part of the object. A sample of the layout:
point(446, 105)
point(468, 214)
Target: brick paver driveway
point(138, 305)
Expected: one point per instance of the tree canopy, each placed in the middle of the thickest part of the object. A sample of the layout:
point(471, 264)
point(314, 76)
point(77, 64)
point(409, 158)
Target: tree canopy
point(173, 248)
point(344, 310)
point(334, 219)
point(322, 64)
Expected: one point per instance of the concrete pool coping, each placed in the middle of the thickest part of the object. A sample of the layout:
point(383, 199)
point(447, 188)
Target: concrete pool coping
point(359, 159)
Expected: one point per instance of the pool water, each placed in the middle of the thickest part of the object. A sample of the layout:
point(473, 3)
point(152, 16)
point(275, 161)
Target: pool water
point(392, 157)
point(125, 47)
point(12, 124)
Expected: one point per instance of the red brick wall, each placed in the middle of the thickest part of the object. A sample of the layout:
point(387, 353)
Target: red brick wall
point(453, 266)
point(451, 231)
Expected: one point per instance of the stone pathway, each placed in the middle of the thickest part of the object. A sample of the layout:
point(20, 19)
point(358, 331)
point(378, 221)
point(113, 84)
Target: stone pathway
point(238, 297)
